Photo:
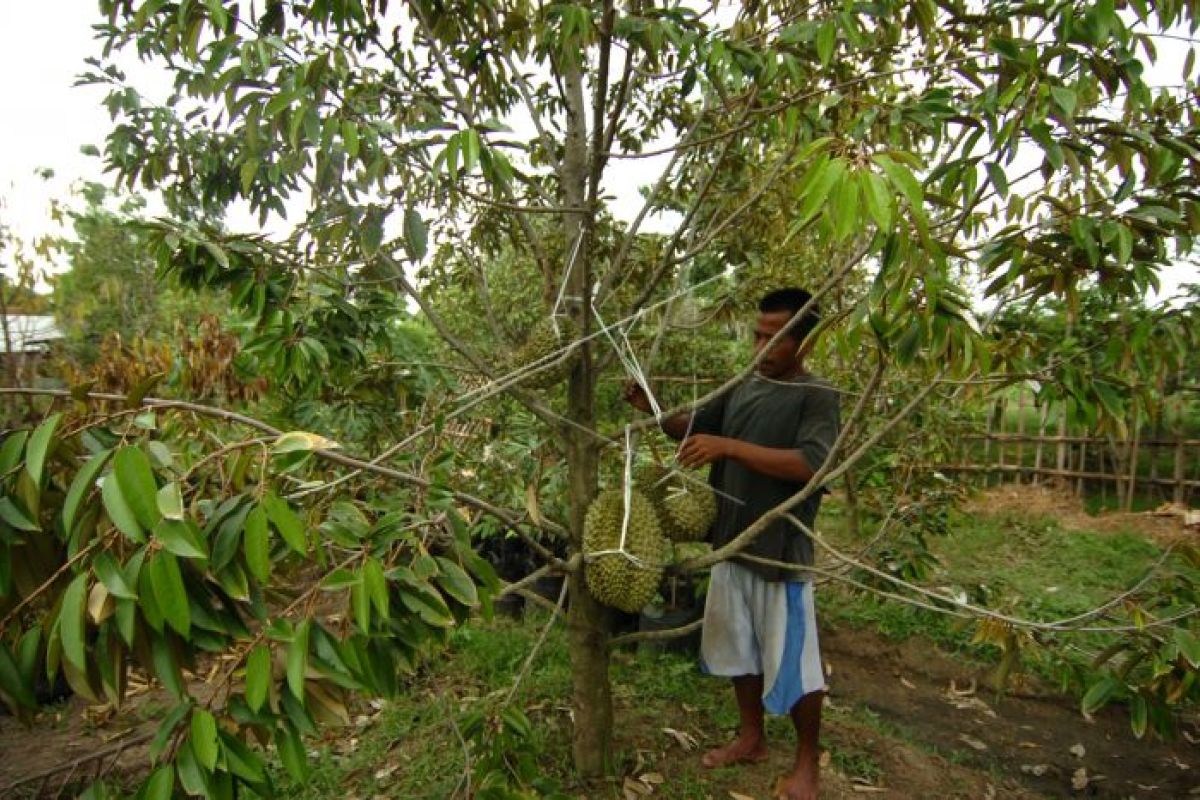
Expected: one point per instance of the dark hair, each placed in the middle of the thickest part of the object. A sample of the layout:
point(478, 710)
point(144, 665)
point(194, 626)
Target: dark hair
point(792, 300)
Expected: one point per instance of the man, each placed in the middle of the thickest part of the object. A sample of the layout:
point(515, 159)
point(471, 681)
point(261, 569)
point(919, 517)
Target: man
point(765, 439)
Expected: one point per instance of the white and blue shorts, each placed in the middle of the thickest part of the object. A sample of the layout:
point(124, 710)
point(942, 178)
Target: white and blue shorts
point(753, 626)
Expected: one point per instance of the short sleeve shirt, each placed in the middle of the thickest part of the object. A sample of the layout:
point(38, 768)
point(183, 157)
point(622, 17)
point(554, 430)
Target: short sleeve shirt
point(801, 414)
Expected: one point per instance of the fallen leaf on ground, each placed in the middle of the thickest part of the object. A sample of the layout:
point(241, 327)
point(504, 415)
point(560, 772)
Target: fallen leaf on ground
point(1078, 750)
point(635, 789)
point(1079, 780)
point(1030, 745)
point(1037, 770)
point(906, 683)
point(737, 796)
point(653, 778)
point(972, 742)
point(685, 740)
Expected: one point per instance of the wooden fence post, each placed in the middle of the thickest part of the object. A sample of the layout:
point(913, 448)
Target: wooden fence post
point(1179, 493)
point(1037, 455)
point(1131, 486)
point(1017, 475)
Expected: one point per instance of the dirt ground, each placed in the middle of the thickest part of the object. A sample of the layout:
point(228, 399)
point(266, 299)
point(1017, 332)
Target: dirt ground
point(1162, 526)
point(936, 735)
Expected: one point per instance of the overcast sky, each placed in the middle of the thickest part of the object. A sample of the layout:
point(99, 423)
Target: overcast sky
point(47, 120)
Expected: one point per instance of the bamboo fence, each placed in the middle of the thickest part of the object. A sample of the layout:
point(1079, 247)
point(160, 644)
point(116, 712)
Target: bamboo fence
point(1021, 442)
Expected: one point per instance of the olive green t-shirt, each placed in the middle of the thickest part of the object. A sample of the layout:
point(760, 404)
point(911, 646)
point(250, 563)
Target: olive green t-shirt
point(801, 414)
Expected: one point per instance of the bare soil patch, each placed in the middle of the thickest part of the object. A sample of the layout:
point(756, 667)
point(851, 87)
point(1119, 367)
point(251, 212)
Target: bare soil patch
point(1067, 509)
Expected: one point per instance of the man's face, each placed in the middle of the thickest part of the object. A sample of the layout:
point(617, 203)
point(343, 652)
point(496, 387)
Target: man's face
point(781, 360)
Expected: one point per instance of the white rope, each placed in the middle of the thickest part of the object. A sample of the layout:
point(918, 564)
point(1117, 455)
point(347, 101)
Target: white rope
point(516, 376)
point(562, 288)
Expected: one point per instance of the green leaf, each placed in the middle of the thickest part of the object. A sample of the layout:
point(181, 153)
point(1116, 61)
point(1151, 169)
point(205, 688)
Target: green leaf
point(247, 172)
point(1065, 99)
point(181, 538)
point(1139, 715)
point(242, 761)
point(826, 39)
point(376, 585)
point(1101, 692)
point(258, 544)
point(286, 522)
point(998, 178)
point(166, 729)
point(427, 604)
point(84, 482)
point(13, 683)
point(118, 510)
point(416, 236)
point(291, 751)
point(845, 207)
point(39, 445)
point(1189, 646)
point(166, 666)
point(258, 676)
point(10, 451)
point(297, 659)
point(72, 622)
point(161, 785)
point(136, 479)
point(169, 591)
point(360, 602)
point(191, 776)
point(204, 738)
point(15, 517)
point(109, 572)
point(370, 233)
point(903, 180)
point(455, 581)
point(170, 501)
point(878, 196)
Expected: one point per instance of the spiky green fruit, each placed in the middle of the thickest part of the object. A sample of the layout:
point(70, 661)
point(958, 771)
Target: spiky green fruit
point(626, 580)
point(689, 509)
point(551, 352)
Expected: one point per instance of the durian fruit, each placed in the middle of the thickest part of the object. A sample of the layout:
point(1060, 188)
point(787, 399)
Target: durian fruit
point(612, 578)
point(651, 480)
point(688, 510)
point(540, 345)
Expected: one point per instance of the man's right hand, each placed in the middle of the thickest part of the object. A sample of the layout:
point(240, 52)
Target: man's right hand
point(635, 394)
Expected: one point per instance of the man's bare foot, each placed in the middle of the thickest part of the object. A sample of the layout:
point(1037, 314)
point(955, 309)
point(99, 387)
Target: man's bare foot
point(740, 751)
point(799, 784)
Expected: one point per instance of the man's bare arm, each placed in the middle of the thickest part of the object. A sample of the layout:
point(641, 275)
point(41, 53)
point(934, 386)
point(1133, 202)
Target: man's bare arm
point(784, 463)
point(675, 426)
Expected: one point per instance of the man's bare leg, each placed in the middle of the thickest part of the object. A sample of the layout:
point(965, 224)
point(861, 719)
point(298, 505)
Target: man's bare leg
point(801, 782)
point(750, 746)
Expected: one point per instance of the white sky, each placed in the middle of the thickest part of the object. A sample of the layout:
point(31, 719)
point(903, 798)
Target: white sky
point(47, 120)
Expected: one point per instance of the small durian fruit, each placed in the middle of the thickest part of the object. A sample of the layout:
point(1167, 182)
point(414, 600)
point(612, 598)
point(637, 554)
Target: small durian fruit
point(651, 480)
point(552, 355)
point(688, 509)
point(614, 578)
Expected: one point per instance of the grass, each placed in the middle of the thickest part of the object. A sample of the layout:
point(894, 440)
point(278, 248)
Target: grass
point(1025, 565)
point(415, 747)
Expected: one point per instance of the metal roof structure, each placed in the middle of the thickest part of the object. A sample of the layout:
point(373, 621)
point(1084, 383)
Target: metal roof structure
point(26, 333)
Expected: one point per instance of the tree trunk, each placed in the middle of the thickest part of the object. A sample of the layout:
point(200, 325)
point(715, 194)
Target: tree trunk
point(588, 621)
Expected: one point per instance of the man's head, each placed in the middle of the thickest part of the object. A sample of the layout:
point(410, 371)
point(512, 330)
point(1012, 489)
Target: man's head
point(775, 311)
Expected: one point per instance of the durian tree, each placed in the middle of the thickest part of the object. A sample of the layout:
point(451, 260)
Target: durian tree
point(889, 155)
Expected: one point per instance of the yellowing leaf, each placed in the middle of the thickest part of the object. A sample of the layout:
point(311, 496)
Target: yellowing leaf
point(294, 441)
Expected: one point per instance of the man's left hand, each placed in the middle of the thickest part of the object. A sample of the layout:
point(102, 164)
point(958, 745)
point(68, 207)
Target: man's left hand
point(702, 448)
